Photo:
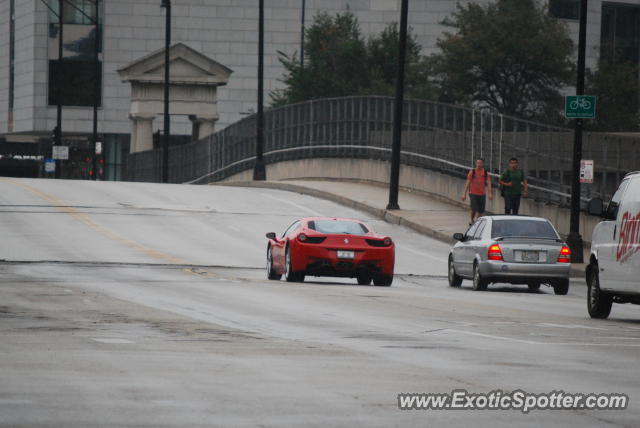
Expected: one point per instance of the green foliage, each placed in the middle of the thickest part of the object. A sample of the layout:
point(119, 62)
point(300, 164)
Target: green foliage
point(616, 89)
point(335, 61)
point(509, 55)
point(339, 62)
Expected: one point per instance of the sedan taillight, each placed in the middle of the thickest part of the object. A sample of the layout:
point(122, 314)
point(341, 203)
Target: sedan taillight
point(494, 253)
point(565, 255)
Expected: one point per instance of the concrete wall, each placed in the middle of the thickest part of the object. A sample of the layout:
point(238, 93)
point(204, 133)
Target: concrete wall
point(442, 186)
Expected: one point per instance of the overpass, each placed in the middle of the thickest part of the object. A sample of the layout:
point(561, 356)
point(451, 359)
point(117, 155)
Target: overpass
point(350, 138)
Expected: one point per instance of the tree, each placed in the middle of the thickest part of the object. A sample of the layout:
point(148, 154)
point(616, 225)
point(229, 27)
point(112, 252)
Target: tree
point(510, 55)
point(335, 62)
point(616, 88)
point(338, 62)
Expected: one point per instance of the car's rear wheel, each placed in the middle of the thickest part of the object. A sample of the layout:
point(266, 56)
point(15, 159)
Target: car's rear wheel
point(534, 286)
point(289, 274)
point(598, 302)
point(364, 279)
point(454, 279)
point(561, 286)
point(383, 280)
point(271, 274)
point(479, 283)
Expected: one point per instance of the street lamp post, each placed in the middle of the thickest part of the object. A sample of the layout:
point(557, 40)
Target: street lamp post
point(574, 240)
point(259, 172)
point(302, 13)
point(58, 130)
point(167, 120)
point(96, 89)
point(397, 116)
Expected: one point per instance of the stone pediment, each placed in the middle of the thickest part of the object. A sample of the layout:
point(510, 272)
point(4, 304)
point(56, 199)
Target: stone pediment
point(188, 66)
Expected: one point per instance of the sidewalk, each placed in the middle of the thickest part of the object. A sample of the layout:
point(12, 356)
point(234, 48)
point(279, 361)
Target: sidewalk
point(425, 213)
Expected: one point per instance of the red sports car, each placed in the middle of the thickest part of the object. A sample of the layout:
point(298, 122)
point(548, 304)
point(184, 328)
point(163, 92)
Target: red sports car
point(338, 247)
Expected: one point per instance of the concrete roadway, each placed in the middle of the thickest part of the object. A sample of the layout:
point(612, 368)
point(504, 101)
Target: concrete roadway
point(129, 304)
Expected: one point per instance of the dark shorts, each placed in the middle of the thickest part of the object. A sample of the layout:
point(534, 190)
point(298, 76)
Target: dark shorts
point(478, 203)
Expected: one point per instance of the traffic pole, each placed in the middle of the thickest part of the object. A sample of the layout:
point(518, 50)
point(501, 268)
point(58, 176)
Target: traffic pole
point(394, 181)
point(574, 240)
point(96, 90)
point(259, 172)
point(167, 119)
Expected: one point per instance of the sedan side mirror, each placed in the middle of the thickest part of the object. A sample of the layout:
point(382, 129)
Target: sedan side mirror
point(458, 236)
point(271, 235)
point(596, 207)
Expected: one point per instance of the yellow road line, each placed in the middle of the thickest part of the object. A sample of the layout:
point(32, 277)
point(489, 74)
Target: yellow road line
point(86, 219)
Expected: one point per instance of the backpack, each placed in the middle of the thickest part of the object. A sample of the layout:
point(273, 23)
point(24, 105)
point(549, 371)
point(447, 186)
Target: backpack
point(473, 175)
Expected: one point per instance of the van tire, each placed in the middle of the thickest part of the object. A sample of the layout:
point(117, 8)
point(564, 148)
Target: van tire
point(598, 302)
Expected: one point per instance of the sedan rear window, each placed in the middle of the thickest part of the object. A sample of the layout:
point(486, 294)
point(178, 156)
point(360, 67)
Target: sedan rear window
point(522, 228)
point(338, 227)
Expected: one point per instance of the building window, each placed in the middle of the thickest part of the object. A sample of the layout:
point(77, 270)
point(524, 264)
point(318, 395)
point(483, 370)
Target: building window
point(72, 79)
point(565, 9)
point(620, 33)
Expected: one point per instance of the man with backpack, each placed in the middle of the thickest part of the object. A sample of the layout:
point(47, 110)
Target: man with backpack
point(514, 186)
point(478, 182)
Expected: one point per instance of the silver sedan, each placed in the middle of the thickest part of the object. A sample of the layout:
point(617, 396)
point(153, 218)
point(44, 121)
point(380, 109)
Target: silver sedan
point(511, 249)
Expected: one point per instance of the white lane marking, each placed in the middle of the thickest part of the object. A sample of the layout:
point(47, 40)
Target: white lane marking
point(302, 207)
point(112, 340)
point(491, 336)
point(533, 342)
point(421, 253)
point(546, 324)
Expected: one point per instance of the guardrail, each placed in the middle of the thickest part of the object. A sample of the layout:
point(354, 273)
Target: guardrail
point(436, 136)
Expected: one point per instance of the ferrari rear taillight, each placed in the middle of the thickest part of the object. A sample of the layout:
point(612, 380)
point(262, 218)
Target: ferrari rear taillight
point(565, 255)
point(494, 253)
point(379, 243)
point(311, 239)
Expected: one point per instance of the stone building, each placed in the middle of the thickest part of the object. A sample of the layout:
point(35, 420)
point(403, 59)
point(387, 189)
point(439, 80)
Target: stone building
point(224, 31)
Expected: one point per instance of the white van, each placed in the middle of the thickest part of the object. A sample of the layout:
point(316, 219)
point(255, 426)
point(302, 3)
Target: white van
point(613, 273)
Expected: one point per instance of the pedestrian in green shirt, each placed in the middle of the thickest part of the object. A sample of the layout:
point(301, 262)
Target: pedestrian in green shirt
point(514, 186)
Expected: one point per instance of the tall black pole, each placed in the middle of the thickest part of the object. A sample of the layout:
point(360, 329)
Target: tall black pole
point(574, 240)
point(259, 172)
point(397, 115)
point(302, 34)
point(58, 133)
point(96, 89)
point(167, 119)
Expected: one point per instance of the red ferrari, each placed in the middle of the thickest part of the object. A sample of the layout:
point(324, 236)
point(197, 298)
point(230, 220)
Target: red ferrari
point(338, 247)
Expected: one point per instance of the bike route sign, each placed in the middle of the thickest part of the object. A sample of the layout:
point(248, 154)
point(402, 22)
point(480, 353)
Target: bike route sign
point(580, 107)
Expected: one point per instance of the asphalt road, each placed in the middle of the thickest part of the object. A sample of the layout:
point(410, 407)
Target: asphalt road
point(129, 304)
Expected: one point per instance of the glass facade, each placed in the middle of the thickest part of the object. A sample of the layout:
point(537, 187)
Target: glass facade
point(565, 9)
point(620, 34)
point(12, 62)
point(72, 79)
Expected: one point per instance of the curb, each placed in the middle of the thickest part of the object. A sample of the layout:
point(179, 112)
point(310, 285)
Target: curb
point(386, 215)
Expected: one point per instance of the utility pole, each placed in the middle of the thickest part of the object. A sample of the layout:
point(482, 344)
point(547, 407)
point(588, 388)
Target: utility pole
point(397, 115)
point(167, 119)
point(58, 131)
point(574, 240)
point(302, 13)
point(96, 89)
point(259, 172)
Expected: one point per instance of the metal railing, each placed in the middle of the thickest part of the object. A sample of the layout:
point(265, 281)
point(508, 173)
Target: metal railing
point(436, 136)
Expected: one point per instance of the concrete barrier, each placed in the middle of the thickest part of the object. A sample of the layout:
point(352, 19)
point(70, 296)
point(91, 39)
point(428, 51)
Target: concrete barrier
point(442, 186)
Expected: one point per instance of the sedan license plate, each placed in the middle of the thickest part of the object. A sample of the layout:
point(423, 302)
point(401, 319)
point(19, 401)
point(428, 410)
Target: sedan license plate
point(530, 256)
point(346, 254)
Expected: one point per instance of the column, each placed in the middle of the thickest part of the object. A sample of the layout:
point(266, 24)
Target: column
point(142, 132)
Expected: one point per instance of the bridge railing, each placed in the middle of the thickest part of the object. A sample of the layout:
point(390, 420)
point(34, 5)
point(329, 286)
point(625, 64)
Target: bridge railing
point(437, 136)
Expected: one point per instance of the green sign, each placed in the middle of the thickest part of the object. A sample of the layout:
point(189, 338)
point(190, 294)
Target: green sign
point(580, 107)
